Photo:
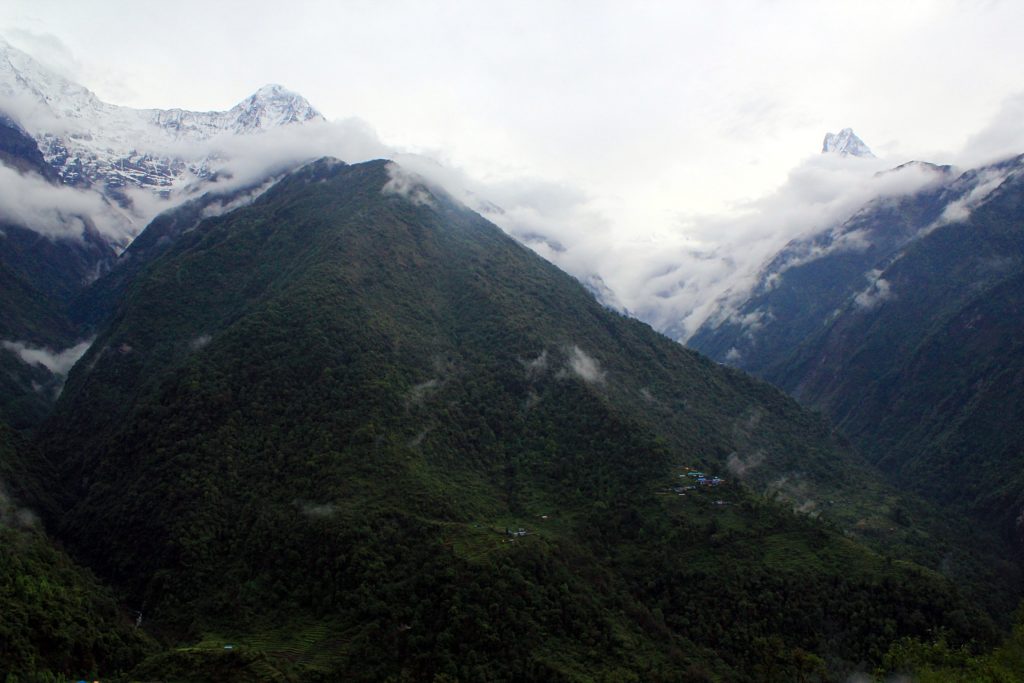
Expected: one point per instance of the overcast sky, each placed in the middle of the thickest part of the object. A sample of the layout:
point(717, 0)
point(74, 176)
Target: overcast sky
point(653, 116)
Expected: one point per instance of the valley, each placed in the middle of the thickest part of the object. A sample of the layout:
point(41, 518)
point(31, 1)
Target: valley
point(313, 419)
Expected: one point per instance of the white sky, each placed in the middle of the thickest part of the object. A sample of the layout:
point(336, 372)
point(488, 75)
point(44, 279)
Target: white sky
point(656, 113)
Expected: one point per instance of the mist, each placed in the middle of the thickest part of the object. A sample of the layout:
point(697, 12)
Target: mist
point(672, 273)
point(583, 365)
point(57, 211)
point(57, 362)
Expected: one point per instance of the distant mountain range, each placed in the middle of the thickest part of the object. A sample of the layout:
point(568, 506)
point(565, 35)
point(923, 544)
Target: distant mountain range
point(110, 148)
point(335, 425)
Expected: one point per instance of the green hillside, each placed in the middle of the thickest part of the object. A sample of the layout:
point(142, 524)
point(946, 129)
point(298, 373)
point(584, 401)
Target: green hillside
point(315, 426)
point(928, 383)
point(57, 619)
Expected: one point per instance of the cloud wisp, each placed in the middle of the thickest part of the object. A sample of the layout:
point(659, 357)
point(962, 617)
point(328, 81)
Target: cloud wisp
point(57, 211)
point(57, 362)
point(583, 365)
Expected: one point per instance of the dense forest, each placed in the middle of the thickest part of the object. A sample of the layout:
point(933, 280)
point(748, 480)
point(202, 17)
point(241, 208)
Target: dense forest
point(351, 433)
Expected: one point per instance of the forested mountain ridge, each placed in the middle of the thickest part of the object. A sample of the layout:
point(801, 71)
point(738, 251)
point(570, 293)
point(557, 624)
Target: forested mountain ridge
point(57, 617)
point(910, 343)
point(801, 289)
point(928, 381)
point(315, 425)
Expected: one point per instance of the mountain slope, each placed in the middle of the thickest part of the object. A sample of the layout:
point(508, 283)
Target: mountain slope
point(928, 380)
point(55, 241)
point(57, 619)
point(803, 287)
point(312, 421)
point(909, 342)
point(39, 277)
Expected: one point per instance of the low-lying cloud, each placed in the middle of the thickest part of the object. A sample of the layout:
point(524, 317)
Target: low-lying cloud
point(57, 211)
point(877, 291)
point(708, 279)
point(13, 515)
point(200, 342)
point(57, 362)
point(319, 510)
point(740, 467)
point(1002, 137)
point(584, 366)
point(536, 366)
point(672, 276)
point(705, 264)
point(674, 280)
point(987, 182)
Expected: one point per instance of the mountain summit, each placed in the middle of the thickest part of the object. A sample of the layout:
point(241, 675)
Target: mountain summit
point(846, 143)
point(269, 107)
point(91, 143)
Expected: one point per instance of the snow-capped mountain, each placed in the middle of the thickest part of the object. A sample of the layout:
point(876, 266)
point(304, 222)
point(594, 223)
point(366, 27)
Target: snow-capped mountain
point(107, 147)
point(846, 143)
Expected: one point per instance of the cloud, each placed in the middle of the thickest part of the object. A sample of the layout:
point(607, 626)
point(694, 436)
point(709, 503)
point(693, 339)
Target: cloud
point(740, 467)
point(677, 282)
point(57, 362)
point(319, 511)
point(673, 280)
point(808, 251)
point(536, 366)
point(878, 290)
point(584, 366)
point(407, 184)
point(672, 276)
point(200, 342)
point(987, 181)
point(1002, 137)
point(48, 50)
point(12, 515)
point(56, 211)
point(796, 491)
point(243, 160)
point(632, 165)
point(666, 265)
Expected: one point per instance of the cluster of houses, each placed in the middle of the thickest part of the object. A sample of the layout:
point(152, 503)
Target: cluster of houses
point(699, 480)
point(702, 479)
point(514, 533)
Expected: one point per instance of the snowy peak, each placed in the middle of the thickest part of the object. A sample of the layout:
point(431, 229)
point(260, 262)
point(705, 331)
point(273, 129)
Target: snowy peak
point(846, 143)
point(91, 143)
point(21, 77)
point(272, 106)
point(269, 107)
